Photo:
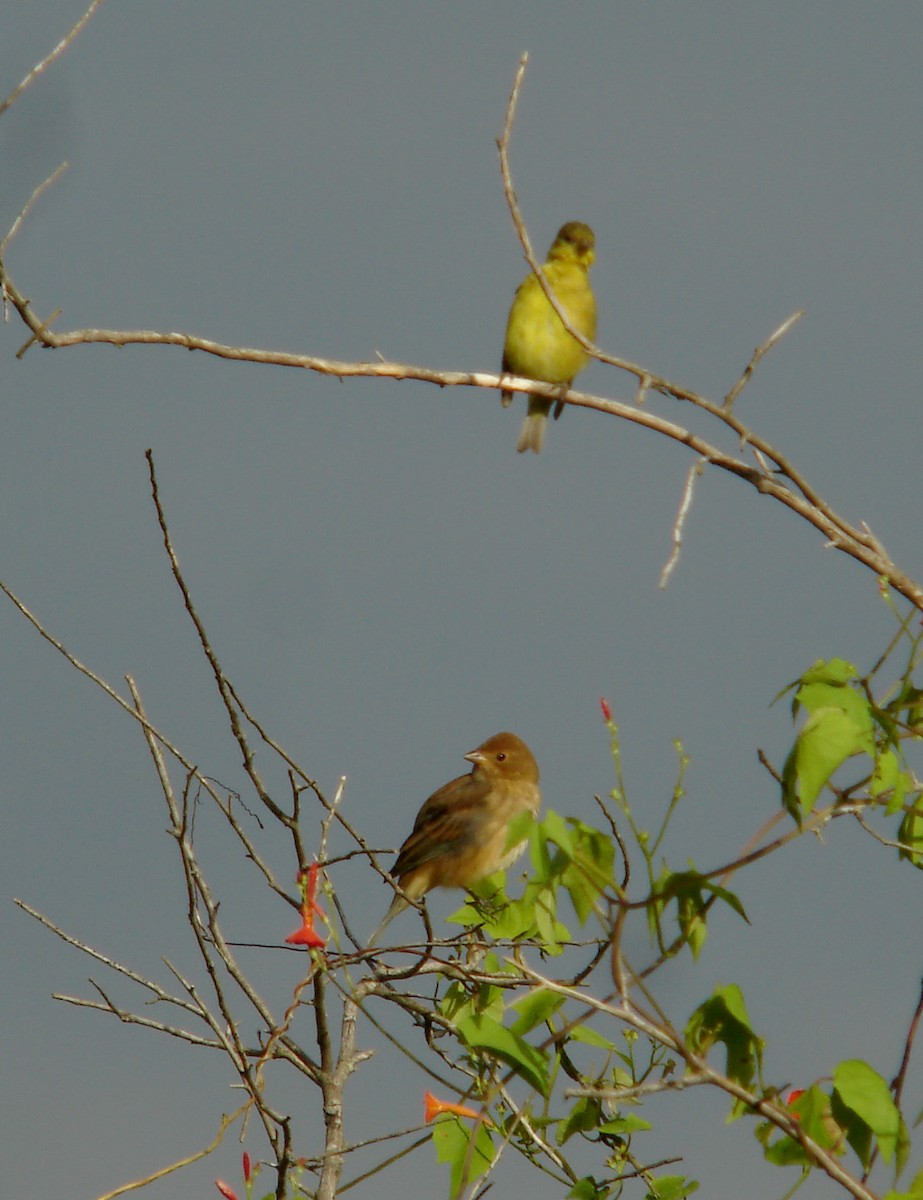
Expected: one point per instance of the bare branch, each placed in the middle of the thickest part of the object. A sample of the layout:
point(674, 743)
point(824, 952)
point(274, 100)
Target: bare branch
point(684, 505)
point(224, 690)
point(758, 353)
point(148, 984)
point(49, 59)
point(901, 1077)
point(226, 1122)
point(107, 688)
point(503, 146)
point(785, 484)
point(107, 1005)
point(24, 212)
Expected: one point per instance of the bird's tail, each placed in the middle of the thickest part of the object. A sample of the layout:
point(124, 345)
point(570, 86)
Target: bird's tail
point(398, 904)
point(532, 434)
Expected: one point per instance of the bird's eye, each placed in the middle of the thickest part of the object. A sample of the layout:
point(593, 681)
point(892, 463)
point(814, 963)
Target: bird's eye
point(501, 756)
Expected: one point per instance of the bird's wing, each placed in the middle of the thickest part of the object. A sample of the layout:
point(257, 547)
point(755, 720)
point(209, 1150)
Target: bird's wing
point(448, 820)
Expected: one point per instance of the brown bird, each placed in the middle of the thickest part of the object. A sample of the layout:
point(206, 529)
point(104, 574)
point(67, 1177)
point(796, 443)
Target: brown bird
point(460, 833)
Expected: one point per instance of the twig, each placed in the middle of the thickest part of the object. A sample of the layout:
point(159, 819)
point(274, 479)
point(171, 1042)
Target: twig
point(787, 324)
point(683, 511)
point(388, 1162)
point(891, 843)
point(24, 211)
point(226, 1122)
point(618, 1095)
point(224, 690)
point(129, 1018)
point(534, 1136)
point(34, 339)
point(901, 1077)
point(331, 813)
point(101, 683)
point(310, 783)
point(897, 1084)
point(106, 961)
point(49, 59)
point(503, 146)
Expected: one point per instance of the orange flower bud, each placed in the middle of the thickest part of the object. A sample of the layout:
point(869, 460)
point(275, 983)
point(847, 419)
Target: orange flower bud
point(432, 1108)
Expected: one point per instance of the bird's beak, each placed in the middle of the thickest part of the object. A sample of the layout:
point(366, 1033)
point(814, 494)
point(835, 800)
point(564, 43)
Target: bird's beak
point(476, 757)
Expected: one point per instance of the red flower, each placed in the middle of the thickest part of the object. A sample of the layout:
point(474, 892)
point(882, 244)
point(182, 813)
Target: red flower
point(607, 711)
point(246, 1167)
point(307, 935)
point(225, 1189)
point(309, 891)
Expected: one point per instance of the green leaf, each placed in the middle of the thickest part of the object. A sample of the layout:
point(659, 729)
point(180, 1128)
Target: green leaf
point(494, 912)
point(455, 1001)
point(482, 1033)
point(823, 683)
point(830, 736)
point(469, 1150)
point(913, 700)
point(569, 854)
point(627, 1124)
point(888, 779)
point(550, 930)
point(868, 1109)
point(538, 851)
point(511, 923)
point(555, 829)
point(786, 1152)
point(688, 888)
point(458, 1003)
point(584, 1115)
point(590, 870)
point(535, 1008)
point(911, 834)
point(519, 829)
point(588, 1189)
point(670, 1187)
point(584, 1033)
point(723, 1018)
point(813, 1113)
point(835, 673)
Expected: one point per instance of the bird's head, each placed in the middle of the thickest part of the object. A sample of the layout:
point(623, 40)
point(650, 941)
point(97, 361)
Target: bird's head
point(504, 756)
point(574, 241)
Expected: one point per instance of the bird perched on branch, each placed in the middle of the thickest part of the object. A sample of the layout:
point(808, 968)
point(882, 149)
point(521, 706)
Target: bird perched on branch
point(460, 833)
point(537, 345)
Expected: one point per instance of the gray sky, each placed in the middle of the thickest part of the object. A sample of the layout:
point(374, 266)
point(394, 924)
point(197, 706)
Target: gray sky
point(385, 580)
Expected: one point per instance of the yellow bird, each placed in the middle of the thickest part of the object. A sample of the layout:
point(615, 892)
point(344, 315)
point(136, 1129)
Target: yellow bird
point(537, 345)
